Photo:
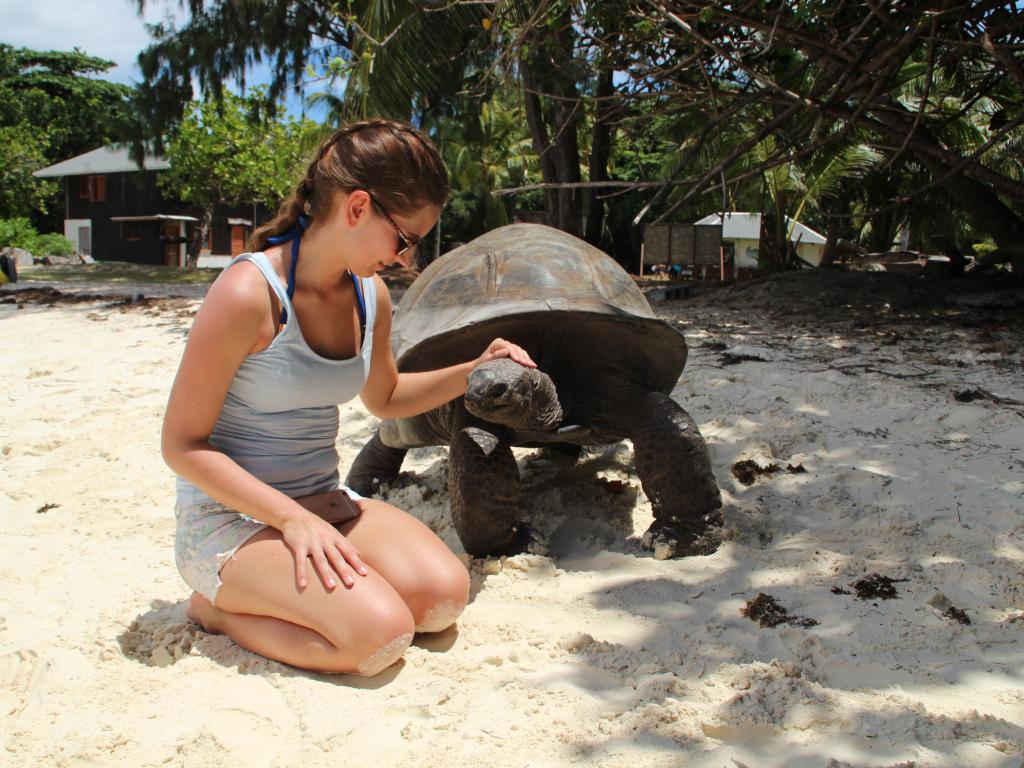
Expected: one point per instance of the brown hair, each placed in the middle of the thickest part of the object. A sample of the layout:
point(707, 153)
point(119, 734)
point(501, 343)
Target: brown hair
point(396, 163)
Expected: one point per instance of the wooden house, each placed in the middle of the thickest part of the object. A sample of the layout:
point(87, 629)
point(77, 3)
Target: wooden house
point(115, 211)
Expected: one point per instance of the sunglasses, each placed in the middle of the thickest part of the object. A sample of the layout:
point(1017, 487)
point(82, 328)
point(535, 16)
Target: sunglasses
point(405, 243)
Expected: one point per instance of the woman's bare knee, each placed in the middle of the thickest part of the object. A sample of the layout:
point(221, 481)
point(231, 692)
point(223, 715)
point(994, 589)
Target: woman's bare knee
point(441, 616)
point(385, 656)
point(384, 635)
point(443, 598)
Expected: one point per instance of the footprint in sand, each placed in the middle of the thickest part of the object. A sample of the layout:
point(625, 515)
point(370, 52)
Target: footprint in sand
point(251, 738)
point(41, 449)
point(20, 673)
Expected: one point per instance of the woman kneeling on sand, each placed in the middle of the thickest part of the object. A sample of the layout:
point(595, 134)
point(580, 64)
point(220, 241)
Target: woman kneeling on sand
point(283, 558)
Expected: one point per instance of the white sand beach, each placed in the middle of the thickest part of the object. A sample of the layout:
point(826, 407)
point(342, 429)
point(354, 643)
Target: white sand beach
point(587, 651)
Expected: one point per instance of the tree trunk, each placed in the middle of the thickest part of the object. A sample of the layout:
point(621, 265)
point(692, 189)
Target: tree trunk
point(567, 163)
point(551, 70)
point(828, 255)
point(600, 150)
point(883, 231)
point(541, 143)
point(568, 115)
point(200, 236)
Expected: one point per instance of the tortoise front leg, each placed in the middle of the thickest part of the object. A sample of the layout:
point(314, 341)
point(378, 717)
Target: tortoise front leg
point(675, 471)
point(375, 464)
point(483, 482)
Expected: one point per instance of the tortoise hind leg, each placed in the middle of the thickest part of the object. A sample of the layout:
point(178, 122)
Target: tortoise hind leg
point(483, 482)
point(375, 464)
point(675, 470)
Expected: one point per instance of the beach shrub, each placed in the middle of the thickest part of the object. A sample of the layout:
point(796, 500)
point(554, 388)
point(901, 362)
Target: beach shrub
point(984, 250)
point(53, 244)
point(18, 233)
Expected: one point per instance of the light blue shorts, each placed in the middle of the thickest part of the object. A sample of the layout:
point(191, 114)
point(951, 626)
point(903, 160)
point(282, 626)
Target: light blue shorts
point(209, 534)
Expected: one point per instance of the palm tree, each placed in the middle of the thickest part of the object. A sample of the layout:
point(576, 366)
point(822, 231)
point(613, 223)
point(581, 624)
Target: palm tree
point(495, 155)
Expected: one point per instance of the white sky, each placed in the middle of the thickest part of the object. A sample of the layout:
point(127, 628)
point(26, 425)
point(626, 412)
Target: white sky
point(110, 29)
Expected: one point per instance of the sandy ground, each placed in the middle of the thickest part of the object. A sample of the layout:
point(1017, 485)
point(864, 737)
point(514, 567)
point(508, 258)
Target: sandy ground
point(894, 418)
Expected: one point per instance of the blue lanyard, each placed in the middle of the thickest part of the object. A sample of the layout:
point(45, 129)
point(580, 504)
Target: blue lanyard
point(295, 235)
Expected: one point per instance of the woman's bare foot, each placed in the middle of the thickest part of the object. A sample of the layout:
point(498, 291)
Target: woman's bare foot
point(203, 612)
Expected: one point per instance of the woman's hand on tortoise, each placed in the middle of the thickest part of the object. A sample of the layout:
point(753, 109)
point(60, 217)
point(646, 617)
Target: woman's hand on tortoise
point(500, 348)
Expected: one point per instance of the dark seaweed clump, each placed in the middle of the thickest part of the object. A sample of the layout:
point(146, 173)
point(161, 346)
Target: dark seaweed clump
point(766, 611)
point(957, 614)
point(874, 586)
point(747, 471)
point(968, 395)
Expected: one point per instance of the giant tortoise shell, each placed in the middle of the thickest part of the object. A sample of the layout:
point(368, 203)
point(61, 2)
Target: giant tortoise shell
point(529, 281)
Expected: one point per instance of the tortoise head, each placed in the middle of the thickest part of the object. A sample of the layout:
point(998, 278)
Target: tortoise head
point(505, 392)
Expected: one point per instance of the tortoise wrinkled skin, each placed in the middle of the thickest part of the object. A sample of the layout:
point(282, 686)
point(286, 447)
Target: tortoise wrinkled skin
point(607, 366)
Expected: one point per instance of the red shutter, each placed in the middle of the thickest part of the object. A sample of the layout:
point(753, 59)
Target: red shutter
point(237, 240)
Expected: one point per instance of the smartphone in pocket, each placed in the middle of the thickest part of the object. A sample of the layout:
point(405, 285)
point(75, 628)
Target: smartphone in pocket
point(332, 506)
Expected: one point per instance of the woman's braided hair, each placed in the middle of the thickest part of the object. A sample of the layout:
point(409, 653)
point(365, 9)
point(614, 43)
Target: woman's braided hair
point(396, 163)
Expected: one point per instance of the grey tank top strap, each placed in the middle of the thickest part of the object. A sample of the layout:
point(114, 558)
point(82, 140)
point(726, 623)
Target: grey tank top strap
point(270, 275)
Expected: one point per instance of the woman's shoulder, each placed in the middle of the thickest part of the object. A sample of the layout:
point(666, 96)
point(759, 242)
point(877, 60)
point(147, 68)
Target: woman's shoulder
point(241, 288)
point(380, 288)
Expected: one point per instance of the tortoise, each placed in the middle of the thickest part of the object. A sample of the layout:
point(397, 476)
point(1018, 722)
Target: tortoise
point(606, 366)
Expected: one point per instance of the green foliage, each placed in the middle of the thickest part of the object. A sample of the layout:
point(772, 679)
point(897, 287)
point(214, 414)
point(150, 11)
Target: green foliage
point(234, 152)
point(18, 232)
point(459, 220)
point(58, 93)
point(492, 151)
point(53, 244)
point(53, 106)
point(985, 250)
point(23, 150)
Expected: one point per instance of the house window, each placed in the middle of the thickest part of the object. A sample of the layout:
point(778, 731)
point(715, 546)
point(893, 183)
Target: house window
point(130, 230)
point(93, 188)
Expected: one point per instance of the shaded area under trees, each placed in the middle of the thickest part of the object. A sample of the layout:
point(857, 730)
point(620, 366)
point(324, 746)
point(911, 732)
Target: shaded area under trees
point(738, 93)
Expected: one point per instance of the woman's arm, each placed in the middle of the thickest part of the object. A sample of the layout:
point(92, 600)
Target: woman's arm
point(234, 321)
point(389, 394)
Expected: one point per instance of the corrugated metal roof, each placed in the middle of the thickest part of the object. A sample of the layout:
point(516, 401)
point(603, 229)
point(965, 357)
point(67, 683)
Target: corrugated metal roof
point(113, 158)
point(747, 226)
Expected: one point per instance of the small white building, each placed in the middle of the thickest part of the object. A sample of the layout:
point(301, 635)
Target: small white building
point(743, 231)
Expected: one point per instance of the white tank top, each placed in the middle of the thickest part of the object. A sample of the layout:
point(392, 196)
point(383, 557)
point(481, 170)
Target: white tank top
point(280, 416)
